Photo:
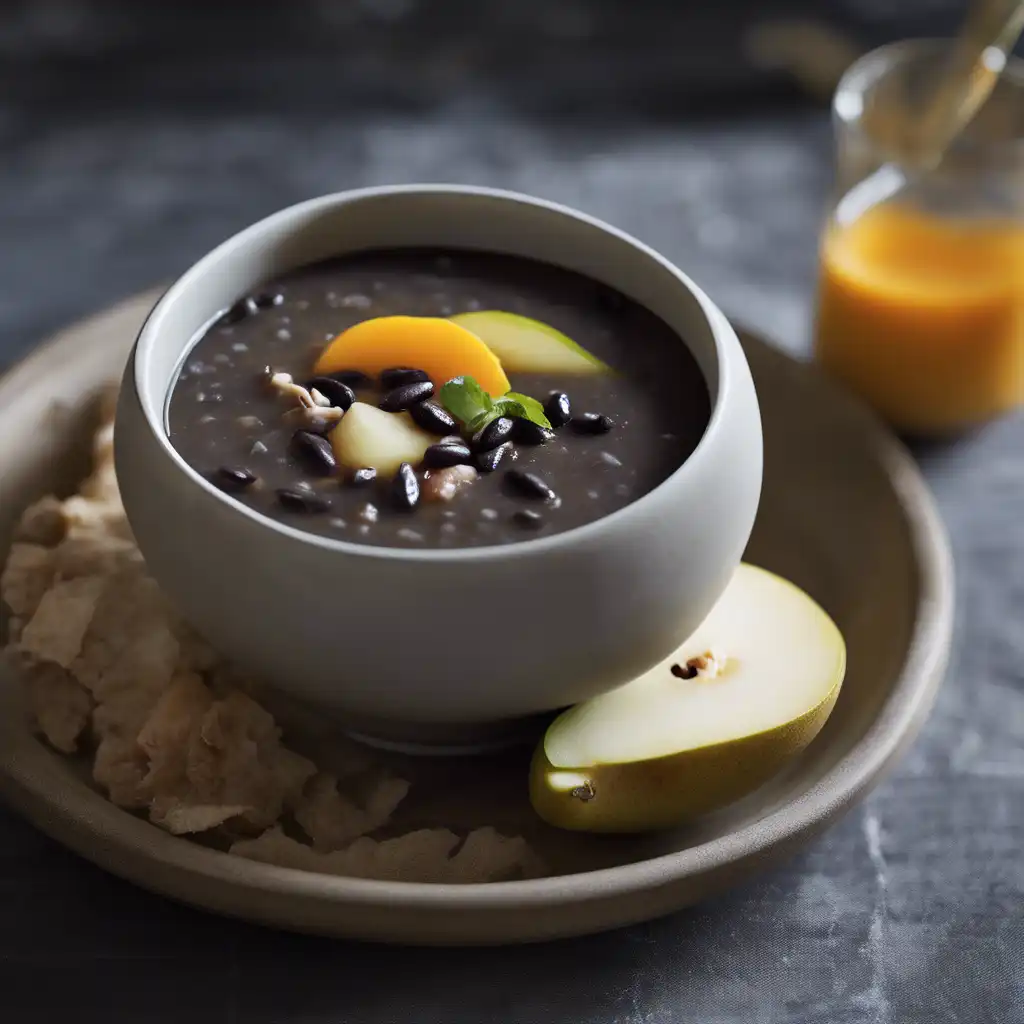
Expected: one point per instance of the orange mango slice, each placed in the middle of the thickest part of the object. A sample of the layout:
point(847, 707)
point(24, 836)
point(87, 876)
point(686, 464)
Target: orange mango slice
point(440, 348)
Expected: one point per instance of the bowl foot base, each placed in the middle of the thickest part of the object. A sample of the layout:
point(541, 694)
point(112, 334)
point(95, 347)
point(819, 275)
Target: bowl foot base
point(429, 740)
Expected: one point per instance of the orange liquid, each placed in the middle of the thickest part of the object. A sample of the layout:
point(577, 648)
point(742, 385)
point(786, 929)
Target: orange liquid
point(924, 317)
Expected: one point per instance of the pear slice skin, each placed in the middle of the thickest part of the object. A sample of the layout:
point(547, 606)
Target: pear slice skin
point(523, 345)
point(590, 773)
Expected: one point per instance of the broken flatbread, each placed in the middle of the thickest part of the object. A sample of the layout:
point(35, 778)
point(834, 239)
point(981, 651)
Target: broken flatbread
point(61, 707)
point(57, 630)
point(26, 578)
point(426, 855)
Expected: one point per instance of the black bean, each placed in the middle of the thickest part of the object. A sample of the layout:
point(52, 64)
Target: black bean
point(591, 423)
point(354, 379)
point(399, 399)
point(232, 478)
point(494, 433)
point(239, 311)
point(429, 416)
point(527, 432)
point(558, 409)
point(441, 456)
point(686, 671)
point(405, 488)
point(334, 391)
point(315, 450)
point(488, 462)
point(528, 485)
point(528, 519)
point(266, 300)
point(296, 500)
point(396, 376)
point(363, 477)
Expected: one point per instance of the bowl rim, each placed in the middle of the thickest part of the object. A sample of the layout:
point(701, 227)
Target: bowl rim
point(718, 327)
point(131, 846)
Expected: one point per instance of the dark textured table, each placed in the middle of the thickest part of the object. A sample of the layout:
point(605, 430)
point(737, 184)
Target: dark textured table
point(128, 147)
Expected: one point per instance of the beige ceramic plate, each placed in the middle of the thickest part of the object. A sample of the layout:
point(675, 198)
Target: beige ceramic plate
point(844, 514)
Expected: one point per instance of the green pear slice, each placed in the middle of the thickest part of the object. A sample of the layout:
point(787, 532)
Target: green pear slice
point(662, 749)
point(523, 345)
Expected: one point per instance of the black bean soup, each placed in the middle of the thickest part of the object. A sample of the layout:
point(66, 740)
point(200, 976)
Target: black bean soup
point(246, 412)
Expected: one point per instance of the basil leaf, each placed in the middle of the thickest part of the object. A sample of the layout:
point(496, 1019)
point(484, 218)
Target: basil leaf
point(530, 408)
point(510, 407)
point(474, 408)
point(481, 421)
point(500, 408)
point(465, 399)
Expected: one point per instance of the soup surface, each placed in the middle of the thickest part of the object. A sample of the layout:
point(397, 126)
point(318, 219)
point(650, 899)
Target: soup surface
point(235, 415)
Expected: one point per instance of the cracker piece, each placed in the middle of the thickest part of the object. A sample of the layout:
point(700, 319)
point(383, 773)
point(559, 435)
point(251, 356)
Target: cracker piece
point(57, 629)
point(332, 820)
point(274, 847)
point(120, 768)
point(184, 819)
point(100, 518)
point(420, 856)
point(43, 522)
point(194, 653)
point(168, 729)
point(130, 644)
point(122, 714)
point(237, 758)
point(101, 484)
point(60, 706)
point(94, 553)
point(173, 722)
point(488, 856)
point(26, 577)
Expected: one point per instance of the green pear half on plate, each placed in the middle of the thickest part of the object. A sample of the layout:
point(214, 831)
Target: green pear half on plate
point(523, 345)
point(745, 694)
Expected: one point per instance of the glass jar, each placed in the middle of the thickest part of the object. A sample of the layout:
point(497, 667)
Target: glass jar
point(921, 295)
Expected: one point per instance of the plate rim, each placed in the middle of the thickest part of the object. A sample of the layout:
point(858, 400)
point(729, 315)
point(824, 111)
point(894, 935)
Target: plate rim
point(892, 731)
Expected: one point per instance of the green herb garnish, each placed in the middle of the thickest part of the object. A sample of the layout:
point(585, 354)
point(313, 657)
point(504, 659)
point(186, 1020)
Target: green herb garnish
point(465, 399)
point(474, 408)
point(532, 410)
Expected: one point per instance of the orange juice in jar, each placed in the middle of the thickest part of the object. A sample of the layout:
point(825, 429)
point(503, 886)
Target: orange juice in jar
point(921, 294)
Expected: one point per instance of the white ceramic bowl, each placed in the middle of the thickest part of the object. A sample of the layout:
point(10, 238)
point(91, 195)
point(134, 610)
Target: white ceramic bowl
point(414, 643)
